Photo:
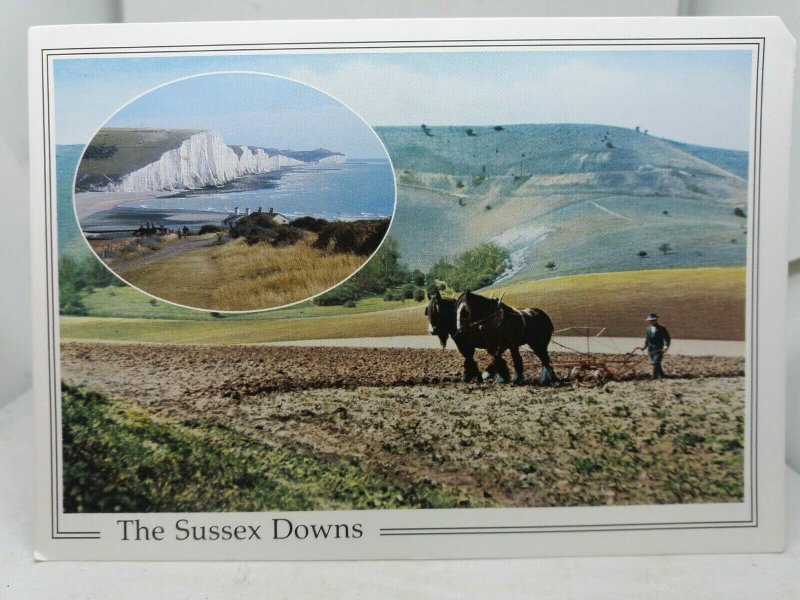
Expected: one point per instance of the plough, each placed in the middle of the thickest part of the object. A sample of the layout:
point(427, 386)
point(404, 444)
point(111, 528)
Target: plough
point(593, 366)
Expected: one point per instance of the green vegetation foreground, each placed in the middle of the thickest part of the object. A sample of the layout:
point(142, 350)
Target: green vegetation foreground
point(253, 428)
point(698, 304)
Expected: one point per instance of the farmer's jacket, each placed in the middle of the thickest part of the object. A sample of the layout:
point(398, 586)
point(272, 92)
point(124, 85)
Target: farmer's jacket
point(658, 339)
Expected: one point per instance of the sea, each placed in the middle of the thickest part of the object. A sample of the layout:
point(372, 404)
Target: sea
point(355, 189)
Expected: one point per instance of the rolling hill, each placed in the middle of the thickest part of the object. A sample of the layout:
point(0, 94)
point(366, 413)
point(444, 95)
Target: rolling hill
point(566, 198)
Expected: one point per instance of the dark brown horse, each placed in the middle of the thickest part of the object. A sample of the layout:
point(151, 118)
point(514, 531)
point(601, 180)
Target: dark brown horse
point(441, 313)
point(487, 323)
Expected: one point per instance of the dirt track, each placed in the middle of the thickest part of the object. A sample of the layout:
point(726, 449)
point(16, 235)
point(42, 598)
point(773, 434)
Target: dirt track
point(400, 413)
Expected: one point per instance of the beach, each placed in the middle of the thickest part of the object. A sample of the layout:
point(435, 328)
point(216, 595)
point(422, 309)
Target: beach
point(91, 203)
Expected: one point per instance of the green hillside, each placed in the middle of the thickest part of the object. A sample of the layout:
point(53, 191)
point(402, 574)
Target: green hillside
point(114, 152)
point(581, 197)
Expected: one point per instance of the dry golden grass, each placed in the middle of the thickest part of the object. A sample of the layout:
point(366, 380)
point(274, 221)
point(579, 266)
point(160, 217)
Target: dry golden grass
point(235, 276)
point(704, 303)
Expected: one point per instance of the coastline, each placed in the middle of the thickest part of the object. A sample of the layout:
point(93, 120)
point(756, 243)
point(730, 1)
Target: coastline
point(91, 203)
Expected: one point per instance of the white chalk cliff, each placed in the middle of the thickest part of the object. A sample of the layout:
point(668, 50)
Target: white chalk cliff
point(205, 160)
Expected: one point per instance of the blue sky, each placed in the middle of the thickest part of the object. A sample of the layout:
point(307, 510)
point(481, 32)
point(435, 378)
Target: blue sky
point(698, 96)
point(254, 110)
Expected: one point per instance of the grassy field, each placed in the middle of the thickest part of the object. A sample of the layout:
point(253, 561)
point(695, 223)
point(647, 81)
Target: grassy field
point(693, 303)
point(127, 302)
point(254, 427)
point(120, 458)
point(704, 303)
point(238, 276)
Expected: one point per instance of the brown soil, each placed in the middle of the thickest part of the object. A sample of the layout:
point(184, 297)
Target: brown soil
point(400, 413)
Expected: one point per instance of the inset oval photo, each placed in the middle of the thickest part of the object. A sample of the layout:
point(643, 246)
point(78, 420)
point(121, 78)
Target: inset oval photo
point(234, 192)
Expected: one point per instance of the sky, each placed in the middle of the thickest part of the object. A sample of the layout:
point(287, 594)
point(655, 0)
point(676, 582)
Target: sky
point(699, 96)
point(253, 110)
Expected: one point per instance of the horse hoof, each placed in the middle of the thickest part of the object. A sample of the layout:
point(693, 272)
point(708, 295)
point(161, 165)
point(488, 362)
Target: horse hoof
point(486, 375)
point(516, 379)
point(500, 379)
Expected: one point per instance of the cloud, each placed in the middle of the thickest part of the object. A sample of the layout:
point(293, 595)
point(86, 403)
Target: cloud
point(700, 105)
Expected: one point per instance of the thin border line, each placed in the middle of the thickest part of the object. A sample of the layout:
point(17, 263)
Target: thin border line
point(55, 489)
point(758, 42)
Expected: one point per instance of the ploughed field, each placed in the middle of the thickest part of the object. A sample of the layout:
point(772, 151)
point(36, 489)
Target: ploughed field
point(393, 427)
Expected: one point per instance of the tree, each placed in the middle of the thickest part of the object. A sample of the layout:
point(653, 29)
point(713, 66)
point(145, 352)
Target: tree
point(665, 249)
point(642, 253)
point(474, 269)
point(471, 132)
point(426, 130)
point(419, 295)
point(551, 265)
point(739, 212)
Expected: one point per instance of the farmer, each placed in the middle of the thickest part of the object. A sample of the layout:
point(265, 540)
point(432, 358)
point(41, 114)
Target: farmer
point(656, 342)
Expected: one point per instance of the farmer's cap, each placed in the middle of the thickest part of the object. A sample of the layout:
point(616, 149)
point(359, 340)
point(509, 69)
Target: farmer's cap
point(652, 317)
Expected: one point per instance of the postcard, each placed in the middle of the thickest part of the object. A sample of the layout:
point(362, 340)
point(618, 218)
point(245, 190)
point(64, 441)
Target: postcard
point(409, 289)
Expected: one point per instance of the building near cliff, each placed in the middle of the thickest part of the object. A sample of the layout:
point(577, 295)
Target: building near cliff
point(233, 219)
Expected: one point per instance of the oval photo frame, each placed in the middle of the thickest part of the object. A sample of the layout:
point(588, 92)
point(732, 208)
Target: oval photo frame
point(234, 191)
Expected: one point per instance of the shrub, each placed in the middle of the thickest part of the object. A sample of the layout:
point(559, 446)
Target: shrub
point(208, 228)
point(70, 301)
point(76, 277)
point(550, 265)
point(739, 212)
point(349, 304)
point(310, 224)
point(261, 227)
point(419, 295)
point(339, 295)
point(99, 152)
point(642, 253)
point(352, 237)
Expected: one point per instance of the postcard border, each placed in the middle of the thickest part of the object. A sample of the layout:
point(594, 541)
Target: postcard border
point(758, 43)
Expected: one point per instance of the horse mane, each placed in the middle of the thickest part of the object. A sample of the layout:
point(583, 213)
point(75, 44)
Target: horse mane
point(483, 303)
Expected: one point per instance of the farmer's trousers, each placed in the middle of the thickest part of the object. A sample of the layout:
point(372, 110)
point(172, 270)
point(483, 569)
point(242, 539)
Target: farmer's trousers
point(655, 359)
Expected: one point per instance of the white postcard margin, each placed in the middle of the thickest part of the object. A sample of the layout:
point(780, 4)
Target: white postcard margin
point(582, 531)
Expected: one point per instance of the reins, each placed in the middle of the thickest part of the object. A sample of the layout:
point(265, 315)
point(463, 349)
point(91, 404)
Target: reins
point(472, 324)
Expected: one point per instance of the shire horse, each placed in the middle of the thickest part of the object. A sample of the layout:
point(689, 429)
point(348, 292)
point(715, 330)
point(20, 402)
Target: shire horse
point(441, 313)
point(475, 322)
point(498, 327)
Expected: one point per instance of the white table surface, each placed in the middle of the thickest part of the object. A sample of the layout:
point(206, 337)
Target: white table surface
point(728, 577)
